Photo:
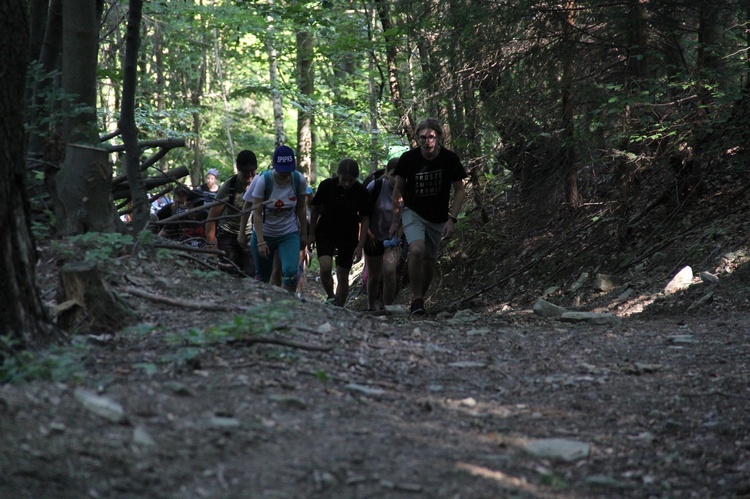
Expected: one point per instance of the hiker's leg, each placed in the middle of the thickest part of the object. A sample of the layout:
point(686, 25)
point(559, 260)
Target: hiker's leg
point(389, 264)
point(414, 229)
point(288, 252)
point(325, 249)
point(342, 285)
point(326, 274)
point(276, 271)
point(416, 269)
point(344, 262)
point(374, 269)
point(433, 236)
point(428, 272)
point(262, 265)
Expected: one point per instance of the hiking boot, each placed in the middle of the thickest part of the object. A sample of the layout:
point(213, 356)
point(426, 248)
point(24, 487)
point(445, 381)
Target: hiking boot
point(417, 307)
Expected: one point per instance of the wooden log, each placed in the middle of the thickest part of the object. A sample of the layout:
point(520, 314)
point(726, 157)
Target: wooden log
point(90, 305)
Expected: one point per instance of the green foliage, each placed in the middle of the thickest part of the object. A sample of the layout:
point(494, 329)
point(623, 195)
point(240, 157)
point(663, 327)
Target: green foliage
point(57, 364)
point(207, 274)
point(96, 247)
point(258, 320)
point(554, 480)
point(52, 107)
point(141, 329)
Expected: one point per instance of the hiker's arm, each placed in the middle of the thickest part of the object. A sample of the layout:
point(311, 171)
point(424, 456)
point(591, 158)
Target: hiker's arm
point(364, 226)
point(214, 212)
point(242, 236)
point(314, 213)
point(302, 218)
point(459, 193)
point(263, 250)
point(398, 189)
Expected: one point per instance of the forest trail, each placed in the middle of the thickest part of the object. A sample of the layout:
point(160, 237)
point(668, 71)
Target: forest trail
point(469, 404)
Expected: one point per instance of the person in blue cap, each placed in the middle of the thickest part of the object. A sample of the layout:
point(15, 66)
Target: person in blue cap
point(277, 199)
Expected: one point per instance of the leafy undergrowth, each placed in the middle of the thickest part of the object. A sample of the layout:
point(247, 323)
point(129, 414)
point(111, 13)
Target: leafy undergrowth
point(522, 254)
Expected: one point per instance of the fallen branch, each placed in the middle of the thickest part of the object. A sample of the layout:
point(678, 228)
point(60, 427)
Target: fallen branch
point(192, 249)
point(182, 303)
point(254, 340)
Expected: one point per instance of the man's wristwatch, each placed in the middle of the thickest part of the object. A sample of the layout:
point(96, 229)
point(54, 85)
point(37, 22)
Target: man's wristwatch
point(455, 220)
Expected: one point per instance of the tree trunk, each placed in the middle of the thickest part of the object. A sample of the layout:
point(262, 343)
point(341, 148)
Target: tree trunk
point(42, 137)
point(223, 92)
point(84, 202)
point(306, 85)
point(638, 43)
point(273, 72)
point(568, 160)
point(23, 317)
point(391, 52)
point(126, 124)
point(79, 62)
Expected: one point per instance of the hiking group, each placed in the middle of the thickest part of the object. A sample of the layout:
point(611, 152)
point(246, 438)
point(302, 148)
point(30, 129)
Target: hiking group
point(267, 224)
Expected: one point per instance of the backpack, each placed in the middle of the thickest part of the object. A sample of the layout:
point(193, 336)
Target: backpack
point(375, 194)
point(268, 181)
point(268, 186)
point(232, 185)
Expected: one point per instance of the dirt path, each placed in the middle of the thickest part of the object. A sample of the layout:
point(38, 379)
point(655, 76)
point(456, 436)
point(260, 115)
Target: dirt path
point(365, 406)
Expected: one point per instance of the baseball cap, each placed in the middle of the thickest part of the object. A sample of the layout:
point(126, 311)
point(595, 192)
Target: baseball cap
point(246, 161)
point(283, 159)
point(213, 171)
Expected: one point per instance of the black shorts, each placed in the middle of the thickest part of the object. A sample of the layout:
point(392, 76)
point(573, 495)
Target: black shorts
point(342, 250)
point(376, 249)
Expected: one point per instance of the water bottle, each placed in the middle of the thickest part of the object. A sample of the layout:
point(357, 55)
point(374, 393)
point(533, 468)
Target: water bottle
point(394, 241)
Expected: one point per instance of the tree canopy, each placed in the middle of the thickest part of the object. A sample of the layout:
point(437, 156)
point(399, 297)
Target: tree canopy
point(545, 96)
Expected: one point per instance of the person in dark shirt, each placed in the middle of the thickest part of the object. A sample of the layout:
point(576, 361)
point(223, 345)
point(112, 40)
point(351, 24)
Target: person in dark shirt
point(223, 224)
point(188, 226)
point(425, 177)
point(211, 186)
point(339, 221)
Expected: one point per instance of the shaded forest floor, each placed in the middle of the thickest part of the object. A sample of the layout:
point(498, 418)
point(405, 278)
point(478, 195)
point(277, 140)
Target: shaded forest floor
point(222, 387)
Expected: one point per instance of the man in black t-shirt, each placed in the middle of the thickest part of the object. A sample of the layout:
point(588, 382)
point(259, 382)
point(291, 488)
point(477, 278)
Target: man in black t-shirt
point(338, 225)
point(425, 177)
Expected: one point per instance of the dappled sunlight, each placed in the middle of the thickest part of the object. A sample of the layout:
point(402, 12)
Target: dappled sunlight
point(506, 481)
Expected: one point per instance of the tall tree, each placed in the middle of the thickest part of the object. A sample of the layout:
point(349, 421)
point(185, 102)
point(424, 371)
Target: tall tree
point(127, 119)
point(273, 72)
point(306, 87)
point(22, 317)
point(79, 61)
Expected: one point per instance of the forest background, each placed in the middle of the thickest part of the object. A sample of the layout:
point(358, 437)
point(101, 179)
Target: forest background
point(545, 101)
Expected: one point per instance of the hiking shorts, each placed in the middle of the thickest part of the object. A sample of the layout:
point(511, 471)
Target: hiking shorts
point(342, 250)
point(377, 249)
point(417, 228)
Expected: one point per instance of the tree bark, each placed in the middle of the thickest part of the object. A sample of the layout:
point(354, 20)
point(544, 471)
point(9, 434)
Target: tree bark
point(23, 317)
point(41, 137)
point(79, 62)
point(306, 86)
point(84, 201)
point(273, 72)
point(391, 52)
point(127, 124)
point(568, 160)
